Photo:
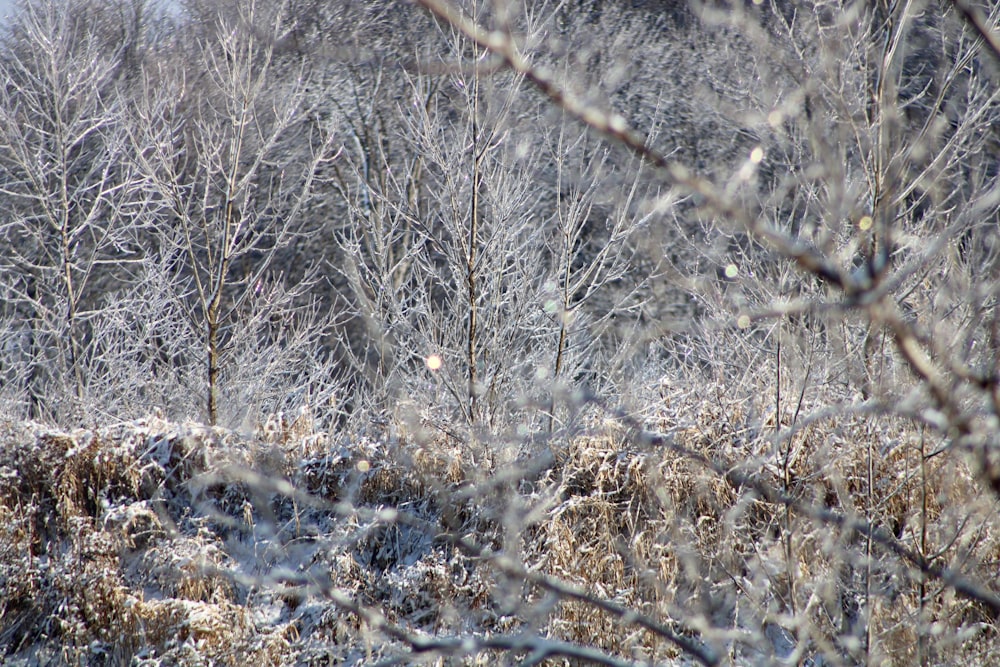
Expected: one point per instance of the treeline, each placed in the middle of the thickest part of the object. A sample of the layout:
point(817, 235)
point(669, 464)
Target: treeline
point(225, 210)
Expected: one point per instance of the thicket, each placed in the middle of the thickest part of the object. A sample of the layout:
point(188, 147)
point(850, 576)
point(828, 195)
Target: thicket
point(535, 332)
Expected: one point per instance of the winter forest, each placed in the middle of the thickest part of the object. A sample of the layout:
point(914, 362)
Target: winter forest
point(500, 332)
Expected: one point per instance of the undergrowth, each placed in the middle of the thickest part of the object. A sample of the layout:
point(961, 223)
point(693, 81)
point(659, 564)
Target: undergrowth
point(169, 543)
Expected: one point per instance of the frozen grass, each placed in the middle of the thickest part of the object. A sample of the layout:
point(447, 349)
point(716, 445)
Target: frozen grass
point(166, 543)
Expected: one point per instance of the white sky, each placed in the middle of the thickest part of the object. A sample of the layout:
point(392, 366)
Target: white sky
point(5, 6)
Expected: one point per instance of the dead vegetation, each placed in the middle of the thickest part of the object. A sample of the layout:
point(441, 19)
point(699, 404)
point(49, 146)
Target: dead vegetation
point(169, 543)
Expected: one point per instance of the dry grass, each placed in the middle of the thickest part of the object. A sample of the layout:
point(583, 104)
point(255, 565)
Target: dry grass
point(116, 543)
point(89, 571)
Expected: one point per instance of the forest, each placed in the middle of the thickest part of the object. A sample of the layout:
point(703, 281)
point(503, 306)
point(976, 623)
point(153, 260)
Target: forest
point(496, 332)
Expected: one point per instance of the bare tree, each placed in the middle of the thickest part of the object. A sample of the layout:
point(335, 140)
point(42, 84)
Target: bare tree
point(468, 249)
point(230, 158)
point(70, 204)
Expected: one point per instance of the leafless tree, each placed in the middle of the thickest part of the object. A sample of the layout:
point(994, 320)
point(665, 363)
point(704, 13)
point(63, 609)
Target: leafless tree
point(230, 155)
point(71, 214)
point(467, 248)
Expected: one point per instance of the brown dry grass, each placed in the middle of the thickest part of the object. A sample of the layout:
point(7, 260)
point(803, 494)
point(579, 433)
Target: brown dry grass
point(109, 542)
point(82, 549)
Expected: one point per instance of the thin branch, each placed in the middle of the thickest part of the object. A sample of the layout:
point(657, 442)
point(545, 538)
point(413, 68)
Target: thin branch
point(975, 18)
point(971, 590)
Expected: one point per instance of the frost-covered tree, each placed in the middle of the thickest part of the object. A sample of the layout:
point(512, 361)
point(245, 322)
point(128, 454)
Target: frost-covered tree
point(72, 214)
